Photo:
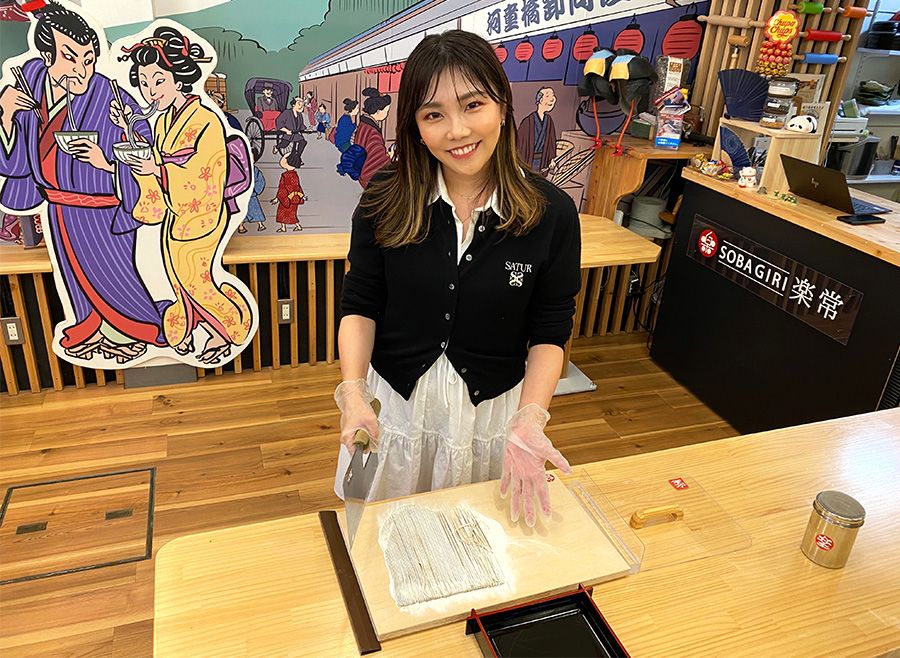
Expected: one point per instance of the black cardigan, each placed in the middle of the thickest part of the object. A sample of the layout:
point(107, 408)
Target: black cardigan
point(506, 294)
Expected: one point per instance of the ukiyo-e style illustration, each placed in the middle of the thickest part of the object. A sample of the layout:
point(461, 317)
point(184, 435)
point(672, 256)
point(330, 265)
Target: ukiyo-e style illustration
point(322, 81)
point(139, 196)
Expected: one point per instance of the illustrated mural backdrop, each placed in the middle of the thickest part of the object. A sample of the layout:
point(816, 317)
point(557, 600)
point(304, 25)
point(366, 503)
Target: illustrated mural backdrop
point(139, 184)
point(311, 87)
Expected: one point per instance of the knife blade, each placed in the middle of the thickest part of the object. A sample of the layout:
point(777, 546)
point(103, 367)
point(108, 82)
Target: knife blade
point(358, 478)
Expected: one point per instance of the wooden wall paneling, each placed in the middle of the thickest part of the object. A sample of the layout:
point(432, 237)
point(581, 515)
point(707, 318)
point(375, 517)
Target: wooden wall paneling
point(254, 290)
point(612, 274)
point(717, 41)
point(579, 303)
point(78, 371)
point(596, 293)
point(9, 369)
point(120, 377)
point(237, 360)
point(218, 371)
point(663, 268)
point(649, 284)
point(274, 317)
point(722, 60)
point(101, 377)
point(621, 291)
point(201, 373)
point(311, 309)
point(329, 311)
point(702, 76)
point(47, 329)
point(295, 321)
point(31, 366)
point(635, 301)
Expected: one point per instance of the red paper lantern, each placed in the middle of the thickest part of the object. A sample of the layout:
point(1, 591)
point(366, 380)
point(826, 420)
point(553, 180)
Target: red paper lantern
point(552, 48)
point(683, 38)
point(631, 38)
point(501, 53)
point(584, 46)
point(524, 50)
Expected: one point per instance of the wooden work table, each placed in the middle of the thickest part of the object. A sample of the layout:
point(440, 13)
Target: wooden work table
point(613, 177)
point(878, 240)
point(270, 589)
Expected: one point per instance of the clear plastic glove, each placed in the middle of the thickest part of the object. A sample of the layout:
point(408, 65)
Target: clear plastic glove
point(527, 450)
point(355, 402)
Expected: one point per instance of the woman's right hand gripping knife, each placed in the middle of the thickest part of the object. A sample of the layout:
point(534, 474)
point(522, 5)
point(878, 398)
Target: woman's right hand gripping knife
point(527, 450)
point(355, 402)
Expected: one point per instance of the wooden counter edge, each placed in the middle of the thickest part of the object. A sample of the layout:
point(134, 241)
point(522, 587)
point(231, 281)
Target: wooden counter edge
point(881, 241)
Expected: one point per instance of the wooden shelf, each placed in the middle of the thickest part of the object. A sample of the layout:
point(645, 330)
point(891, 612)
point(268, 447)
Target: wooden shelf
point(780, 133)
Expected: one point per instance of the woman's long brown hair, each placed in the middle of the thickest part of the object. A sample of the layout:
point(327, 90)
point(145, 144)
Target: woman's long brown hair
point(399, 199)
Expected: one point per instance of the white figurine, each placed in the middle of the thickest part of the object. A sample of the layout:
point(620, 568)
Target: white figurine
point(748, 178)
point(804, 123)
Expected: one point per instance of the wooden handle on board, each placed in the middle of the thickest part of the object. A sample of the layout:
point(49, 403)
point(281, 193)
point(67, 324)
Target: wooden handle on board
point(640, 517)
point(730, 21)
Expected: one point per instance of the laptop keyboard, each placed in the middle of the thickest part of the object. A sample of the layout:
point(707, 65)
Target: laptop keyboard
point(861, 207)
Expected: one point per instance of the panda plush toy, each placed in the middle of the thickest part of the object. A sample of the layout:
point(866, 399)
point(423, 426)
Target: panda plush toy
point(803, 123)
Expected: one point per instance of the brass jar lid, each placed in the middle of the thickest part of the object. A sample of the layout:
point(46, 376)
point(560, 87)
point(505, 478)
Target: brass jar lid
point(839, 508)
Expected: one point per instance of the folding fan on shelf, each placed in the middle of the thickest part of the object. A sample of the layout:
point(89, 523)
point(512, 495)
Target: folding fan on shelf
point(734, 148)
point(745, 93)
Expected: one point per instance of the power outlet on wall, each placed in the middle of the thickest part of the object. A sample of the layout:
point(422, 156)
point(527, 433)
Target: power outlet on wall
point(12, 331)
point(285, 311)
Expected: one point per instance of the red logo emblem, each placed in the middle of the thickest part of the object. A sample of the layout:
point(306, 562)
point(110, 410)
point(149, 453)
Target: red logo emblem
point(678, 483)
point(550, 477)
point(824, 542)
point(708, 243)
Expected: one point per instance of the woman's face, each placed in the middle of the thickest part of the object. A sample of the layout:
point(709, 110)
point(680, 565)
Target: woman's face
point(381, 114)
point(158, 84)
point(460, 125)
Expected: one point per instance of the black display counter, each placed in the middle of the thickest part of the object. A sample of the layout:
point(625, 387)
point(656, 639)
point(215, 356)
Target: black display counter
point(772, 323)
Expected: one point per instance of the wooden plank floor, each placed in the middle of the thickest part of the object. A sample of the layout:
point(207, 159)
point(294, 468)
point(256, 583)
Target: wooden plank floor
point(231, 450)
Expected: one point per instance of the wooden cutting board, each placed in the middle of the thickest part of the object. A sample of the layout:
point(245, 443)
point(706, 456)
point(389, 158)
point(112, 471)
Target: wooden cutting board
point(555, 556)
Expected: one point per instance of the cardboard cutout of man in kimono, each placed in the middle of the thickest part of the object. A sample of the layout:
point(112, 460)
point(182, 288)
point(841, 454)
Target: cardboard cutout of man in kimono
point(60, 152)
point(58, 125)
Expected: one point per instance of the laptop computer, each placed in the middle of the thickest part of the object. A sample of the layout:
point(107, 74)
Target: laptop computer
point(825, 186)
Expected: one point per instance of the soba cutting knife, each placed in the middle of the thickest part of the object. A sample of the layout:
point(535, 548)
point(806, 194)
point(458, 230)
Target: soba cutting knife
point(358, 478)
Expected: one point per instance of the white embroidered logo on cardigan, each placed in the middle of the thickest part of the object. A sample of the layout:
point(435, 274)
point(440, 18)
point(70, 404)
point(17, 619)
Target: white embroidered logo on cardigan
point(517, 272)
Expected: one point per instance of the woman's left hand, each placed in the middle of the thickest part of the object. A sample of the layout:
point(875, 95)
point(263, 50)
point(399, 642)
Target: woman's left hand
point(527, 450)
point(144, 166)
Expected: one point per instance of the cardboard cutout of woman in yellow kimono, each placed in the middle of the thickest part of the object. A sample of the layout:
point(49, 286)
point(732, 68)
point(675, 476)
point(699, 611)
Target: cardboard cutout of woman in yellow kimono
point(183, 186)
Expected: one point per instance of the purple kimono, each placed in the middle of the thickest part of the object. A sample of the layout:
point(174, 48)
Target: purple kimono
point(89, 214)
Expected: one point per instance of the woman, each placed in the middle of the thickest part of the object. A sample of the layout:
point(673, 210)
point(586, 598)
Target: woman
point(368, 134)
point(463, 266)
point(182, 187)
point(255, 213)
point(343, 133)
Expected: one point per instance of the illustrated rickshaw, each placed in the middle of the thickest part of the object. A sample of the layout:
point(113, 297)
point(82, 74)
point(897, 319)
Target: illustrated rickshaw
point(262, 124)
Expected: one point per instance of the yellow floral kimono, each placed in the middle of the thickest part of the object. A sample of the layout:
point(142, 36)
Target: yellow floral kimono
point(189, 146)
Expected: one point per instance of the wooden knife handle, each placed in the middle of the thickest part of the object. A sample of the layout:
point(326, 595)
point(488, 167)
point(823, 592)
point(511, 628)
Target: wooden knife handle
point(361, 438)
point(666, 512)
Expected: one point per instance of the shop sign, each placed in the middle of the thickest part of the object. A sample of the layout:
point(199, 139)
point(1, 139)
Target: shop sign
point(820, 301)
point(508, 19)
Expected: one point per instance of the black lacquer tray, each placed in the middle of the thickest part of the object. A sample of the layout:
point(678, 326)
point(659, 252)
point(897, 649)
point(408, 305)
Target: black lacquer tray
point(568, 624)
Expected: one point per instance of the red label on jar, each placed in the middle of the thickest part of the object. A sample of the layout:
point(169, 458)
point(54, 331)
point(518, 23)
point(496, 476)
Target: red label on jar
point(824, 542)
point(678, 483)
point(708, 243)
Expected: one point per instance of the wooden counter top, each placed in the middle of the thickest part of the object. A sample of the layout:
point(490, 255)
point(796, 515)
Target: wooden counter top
point(270, 589)
point(603, 243)
point(879, 240)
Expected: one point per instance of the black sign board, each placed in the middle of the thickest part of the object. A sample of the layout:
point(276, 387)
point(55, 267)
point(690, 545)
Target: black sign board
point(820, 301)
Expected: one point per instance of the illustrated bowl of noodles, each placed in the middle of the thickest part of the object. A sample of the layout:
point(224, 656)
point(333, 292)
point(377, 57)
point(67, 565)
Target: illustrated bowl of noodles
point(65, 137)
point(127, 153)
